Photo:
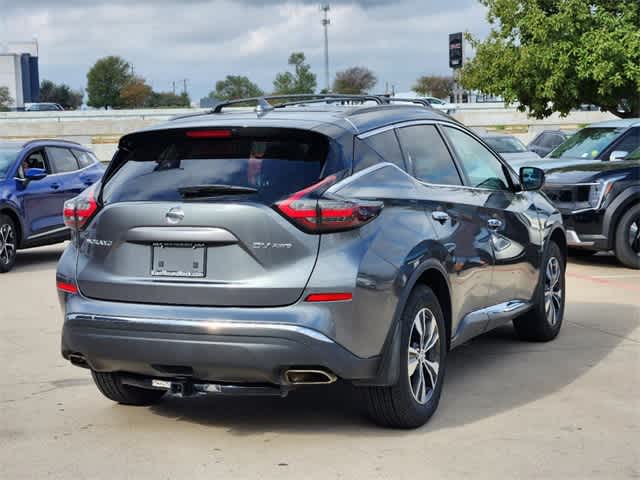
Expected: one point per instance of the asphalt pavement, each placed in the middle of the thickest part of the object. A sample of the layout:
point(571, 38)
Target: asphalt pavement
point(569, 409)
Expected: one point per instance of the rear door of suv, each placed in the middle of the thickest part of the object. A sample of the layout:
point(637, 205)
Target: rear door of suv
point(188, 218)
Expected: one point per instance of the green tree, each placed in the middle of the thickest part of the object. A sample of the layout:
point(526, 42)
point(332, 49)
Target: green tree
point(301, 81)
point(354, 80)
point(433, 85)
point(105, 81)
point(168, 100)
point(60, 93)
point(235, 86)
point(135, 93)
point(554, 55)
point(5, 99)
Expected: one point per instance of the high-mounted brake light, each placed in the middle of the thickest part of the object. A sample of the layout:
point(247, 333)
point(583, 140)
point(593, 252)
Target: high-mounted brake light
point(329, 297)
point(326, 215)
point(67, 287)
point(79, 210)
point(209, 133)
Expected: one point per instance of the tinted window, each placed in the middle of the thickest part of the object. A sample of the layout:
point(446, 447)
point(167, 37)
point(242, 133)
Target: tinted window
point(275, 166)
point(364, 156)
point(588, 143)
point(61, 160)
point(386, 144)
point(482, 169)
point(548, 140)
point(7, 157)
point(84, 158)
point(630, 141)
point(428, 155)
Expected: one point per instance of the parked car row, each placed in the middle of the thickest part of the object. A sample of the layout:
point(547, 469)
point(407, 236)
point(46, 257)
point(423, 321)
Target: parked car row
point(593, 176)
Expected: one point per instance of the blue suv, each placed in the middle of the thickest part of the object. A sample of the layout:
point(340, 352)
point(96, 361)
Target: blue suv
point(36, 178)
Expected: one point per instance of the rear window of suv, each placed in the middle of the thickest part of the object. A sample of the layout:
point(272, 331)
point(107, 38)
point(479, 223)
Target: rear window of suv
point(265, 167)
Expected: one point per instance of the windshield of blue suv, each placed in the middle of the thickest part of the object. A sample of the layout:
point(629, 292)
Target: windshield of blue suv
point(7, 157)
point(588, 143)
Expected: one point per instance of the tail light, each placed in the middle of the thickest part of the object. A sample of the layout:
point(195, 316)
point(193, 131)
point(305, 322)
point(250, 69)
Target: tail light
point(66, 287)
point(324, 215)
point(79, 210)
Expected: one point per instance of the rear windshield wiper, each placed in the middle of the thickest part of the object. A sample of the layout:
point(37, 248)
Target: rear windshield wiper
point(215, 189)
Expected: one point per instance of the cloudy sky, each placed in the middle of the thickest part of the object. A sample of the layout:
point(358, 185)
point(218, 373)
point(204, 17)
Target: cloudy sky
point(204, 40)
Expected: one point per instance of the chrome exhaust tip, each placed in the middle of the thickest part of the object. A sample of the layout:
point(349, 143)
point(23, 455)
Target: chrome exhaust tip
point(309, 377)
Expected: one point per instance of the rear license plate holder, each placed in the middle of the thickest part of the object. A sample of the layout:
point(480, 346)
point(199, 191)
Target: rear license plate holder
point(182, 260)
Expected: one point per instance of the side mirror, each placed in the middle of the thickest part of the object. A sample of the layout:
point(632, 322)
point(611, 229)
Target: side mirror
point(531, 178)
point(35, 174)
point(617, 155)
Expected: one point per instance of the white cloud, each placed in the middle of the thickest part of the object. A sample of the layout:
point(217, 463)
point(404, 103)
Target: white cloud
point(204, 40)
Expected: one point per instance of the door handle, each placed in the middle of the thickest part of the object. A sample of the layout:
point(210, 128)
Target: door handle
point(55, 186)
point(440, 216)
point(494, 224)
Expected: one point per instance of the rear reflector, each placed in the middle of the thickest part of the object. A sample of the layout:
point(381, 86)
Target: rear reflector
point(329, 297)
point(67, 287)
point(209, 133)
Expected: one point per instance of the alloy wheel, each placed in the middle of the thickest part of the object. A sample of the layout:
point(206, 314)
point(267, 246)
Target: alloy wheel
point(424, 355)
point(7, 243)
point(553, 291)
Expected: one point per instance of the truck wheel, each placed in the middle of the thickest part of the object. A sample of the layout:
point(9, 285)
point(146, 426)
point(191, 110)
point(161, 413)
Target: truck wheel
point(542, 323)
point(627, 246)
point(415, 396)
point(8, 244)
point(111, 386)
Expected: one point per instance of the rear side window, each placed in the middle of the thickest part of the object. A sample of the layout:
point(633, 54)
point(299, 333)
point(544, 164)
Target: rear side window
point(378, 148)
point(266, 165)
point(85, 159)
point(428, 155)
point(61, 160)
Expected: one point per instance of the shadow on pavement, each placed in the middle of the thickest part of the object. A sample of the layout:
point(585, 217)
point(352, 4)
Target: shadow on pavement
point(38, 259)
point(490, 375)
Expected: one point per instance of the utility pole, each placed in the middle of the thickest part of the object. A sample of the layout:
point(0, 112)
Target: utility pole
point(325, 23)
point(173, 84)
point(184, 83)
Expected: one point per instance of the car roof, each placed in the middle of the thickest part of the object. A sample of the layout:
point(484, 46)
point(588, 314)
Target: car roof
point(43, 142)
point(621, 123)
point(354, 119)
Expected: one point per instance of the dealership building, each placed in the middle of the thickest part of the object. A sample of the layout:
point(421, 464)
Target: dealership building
point(19, 72)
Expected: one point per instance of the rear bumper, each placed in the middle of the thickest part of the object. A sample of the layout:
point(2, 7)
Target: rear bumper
point(209, 350)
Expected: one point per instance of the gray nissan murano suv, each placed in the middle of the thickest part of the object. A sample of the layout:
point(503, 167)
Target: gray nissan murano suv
point(250, 251)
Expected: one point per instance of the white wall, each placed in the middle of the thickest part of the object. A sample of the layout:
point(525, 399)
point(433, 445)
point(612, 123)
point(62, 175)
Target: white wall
point(11, 76)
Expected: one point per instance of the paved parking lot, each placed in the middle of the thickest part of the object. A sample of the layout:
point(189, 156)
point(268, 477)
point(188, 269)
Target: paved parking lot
point(568, 409)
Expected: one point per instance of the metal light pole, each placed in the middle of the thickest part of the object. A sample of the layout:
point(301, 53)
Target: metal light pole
point(325, 23)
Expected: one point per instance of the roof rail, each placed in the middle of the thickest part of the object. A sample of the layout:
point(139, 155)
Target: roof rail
point(262, 103)
point(29, 142)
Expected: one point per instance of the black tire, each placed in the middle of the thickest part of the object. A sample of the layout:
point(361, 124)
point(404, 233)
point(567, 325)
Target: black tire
point(111, 386)
point(627, 249)
point(537, 325)
point(8, 243)
point(581, 252)
point(397, 406)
